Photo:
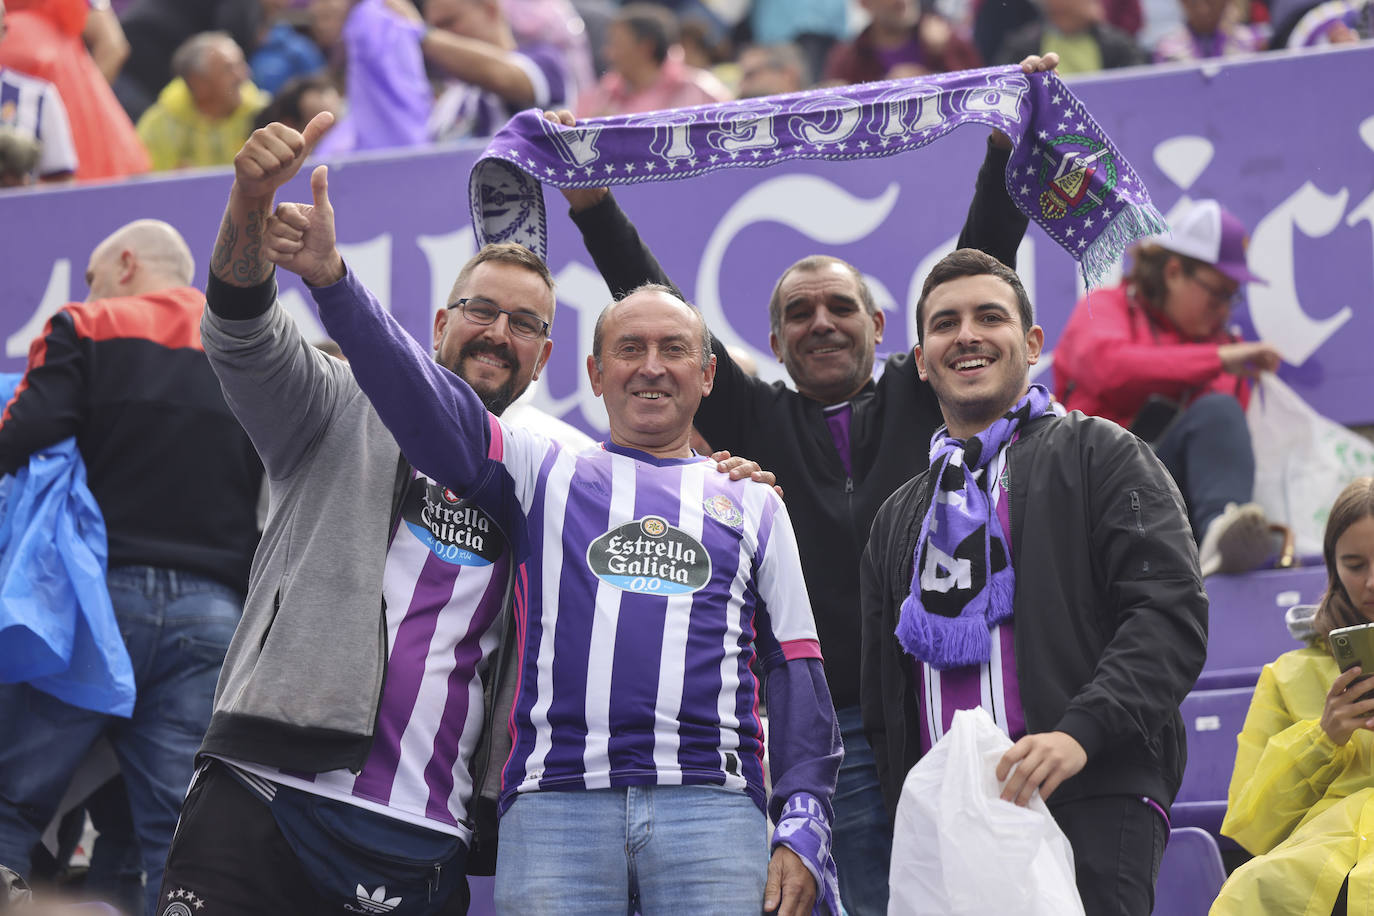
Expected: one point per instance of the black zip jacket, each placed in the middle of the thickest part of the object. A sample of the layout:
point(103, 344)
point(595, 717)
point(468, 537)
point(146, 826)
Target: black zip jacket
point(1110, 616)
point(174, 474)
point(785, 432)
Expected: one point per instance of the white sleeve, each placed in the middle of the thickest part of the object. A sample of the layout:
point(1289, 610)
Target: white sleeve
point(59, 154)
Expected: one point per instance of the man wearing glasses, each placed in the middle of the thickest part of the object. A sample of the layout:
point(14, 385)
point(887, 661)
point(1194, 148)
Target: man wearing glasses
point(1155, 355)
point(351, 763)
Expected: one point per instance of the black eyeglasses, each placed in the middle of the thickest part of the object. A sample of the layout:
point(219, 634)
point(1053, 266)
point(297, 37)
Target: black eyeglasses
point(484, 311)
point(1218, 293)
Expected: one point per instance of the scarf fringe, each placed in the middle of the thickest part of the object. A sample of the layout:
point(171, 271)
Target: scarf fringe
point(1131, 223)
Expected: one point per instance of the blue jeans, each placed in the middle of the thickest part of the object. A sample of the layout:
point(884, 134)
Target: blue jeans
point(696, 850)
point(177, 627)
point(1209, 454)
point(863, 836)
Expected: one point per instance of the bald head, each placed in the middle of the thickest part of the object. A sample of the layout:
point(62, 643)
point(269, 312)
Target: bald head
point(141, 257)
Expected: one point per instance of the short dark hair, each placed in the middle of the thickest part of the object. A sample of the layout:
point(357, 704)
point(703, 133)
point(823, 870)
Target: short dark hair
point(816, 262)
point(970, 262)
point(652, 23)
point(286, 102)
point(1336, 610)
point(505, 253)
point(598, 330)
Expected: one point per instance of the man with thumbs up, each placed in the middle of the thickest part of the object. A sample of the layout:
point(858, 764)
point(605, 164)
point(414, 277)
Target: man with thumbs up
point(343, 764)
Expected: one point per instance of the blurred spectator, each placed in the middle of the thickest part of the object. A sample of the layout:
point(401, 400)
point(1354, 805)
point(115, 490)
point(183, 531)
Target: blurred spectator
point(282, 52)
point(647, 71)
point(596, 16)
point(389, 98)
point(156, 28)
point(324, 24)
point(30, 108)
point(1210, 29)
point(492, 76)
point(207, 110)
point(300, 100)
point(901, 41)
point(1300, 797)
point(19, 154)
point(1075, 30)
point(557, 23)
point(995, 20)
point(1335, 22)
point(1155, 355)
point(771, 70)
point(104, 36)
point(44, 40)
point(812, 25)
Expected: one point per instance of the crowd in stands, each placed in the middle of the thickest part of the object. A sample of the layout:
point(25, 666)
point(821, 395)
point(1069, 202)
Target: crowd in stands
point(77, 76)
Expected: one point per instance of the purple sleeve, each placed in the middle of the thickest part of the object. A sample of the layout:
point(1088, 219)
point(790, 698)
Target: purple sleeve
point(440, 423)
point(547, 69)
point(804, 753)
point(389, 97)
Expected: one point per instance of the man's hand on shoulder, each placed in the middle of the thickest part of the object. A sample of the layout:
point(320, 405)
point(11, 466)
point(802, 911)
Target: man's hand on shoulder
point(1042, 761)
point(273, 155)
point(739, 467)
point(578, 198)
point(791, 888)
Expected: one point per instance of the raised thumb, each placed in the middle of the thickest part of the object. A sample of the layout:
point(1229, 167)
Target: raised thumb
point(319, 186)
point(316, 129)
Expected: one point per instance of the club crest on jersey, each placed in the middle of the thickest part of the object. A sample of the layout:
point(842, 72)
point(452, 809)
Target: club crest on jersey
point(650, 557)
point(723, 510)
point(454, 530)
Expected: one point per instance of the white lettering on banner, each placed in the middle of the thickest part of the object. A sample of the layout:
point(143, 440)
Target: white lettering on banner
point(442, 254)
point(1276, 309)
point(57, 294)
point(834, 124)
point(575, 145)
point(819, 209)
point(746, 133)
point(899, 104)
point(942, 572)
point(1364, 210)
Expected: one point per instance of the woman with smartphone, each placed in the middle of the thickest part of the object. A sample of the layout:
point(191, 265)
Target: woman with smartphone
point(1302, 793)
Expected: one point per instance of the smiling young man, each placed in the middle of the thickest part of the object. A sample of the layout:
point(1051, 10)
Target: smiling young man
point(1043, 569)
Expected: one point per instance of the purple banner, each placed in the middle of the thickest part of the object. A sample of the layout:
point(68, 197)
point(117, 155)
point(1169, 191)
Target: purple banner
point(1294, 164)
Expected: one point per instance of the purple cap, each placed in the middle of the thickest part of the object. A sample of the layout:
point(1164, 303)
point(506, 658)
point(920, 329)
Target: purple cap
point(1210, 233)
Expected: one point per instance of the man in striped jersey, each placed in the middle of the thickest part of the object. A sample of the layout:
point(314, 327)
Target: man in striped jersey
point(646, 586)
point(345, 759)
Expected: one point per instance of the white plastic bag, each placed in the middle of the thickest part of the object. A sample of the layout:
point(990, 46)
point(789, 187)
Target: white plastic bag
point(1302, 460)
point(959, 850)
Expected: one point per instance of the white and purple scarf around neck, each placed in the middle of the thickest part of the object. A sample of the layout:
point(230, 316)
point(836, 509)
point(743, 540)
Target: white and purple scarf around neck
point(1064, 172)
point(962, 583)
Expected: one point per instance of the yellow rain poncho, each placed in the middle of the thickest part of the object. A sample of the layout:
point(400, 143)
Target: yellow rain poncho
point(1302, 805)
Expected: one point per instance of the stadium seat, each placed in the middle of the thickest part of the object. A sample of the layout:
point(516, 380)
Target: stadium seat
point(1190, 874)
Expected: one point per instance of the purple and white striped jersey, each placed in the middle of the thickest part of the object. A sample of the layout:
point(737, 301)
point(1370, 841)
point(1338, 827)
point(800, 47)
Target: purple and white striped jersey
point(653, 585)
point(33, 107)
point(444, 585)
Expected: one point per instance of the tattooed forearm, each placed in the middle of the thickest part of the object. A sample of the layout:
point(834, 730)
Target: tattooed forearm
point(237, 257)
point(225, 243)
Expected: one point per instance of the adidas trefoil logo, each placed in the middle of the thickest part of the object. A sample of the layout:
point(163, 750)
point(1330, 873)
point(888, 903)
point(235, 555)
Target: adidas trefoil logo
point(375, 902)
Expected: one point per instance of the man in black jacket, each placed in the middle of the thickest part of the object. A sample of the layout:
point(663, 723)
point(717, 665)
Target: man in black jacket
point(1043, 569)
point(840, 444)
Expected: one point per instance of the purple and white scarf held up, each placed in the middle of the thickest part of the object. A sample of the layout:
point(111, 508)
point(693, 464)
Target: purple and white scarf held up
point(1064, 172)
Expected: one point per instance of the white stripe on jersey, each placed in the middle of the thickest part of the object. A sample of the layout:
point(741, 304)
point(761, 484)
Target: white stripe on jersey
point(728, 698)
point(677, 622)
point(555, 506)
point(601, 651)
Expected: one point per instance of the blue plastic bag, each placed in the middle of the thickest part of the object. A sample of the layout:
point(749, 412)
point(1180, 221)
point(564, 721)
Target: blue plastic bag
point(57, 626)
